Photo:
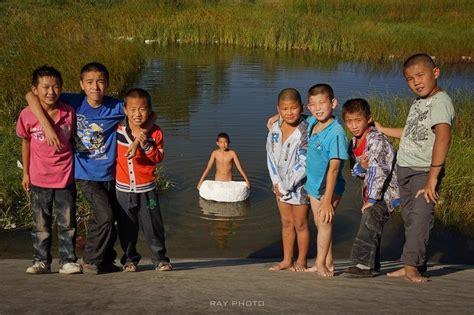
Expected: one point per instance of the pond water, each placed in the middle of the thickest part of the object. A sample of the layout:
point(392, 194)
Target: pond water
point(199, 92)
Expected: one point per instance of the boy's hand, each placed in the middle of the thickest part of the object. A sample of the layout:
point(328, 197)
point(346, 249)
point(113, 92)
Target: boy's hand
point(277, 191)
point(364, 161)
point(142, 139)
point(326, 211)
point(132, 149)
point(248, 184)
point(52, 138)
point(25, 182)
point(378, 126)
point(199, 186)
point(429, 191)
point(271, 121)
point(365, 206)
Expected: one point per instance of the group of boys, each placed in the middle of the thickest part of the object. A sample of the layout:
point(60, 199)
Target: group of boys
point(409, 179)
point(83, 139)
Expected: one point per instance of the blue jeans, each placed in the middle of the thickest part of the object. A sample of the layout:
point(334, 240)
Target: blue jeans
point(64, 200)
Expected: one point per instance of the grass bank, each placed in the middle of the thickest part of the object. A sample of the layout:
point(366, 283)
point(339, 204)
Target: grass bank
point(69, 33)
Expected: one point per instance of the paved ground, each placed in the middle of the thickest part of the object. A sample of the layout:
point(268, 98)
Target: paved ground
point(235, 286)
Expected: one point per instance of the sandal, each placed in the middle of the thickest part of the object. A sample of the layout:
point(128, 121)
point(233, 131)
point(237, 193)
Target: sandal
point(164, 266)
point(130, 267)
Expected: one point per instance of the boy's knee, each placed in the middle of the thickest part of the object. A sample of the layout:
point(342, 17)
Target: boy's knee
point(300, 226)
point(287, 223)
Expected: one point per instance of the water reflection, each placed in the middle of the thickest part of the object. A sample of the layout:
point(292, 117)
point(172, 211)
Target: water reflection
point(223, 218)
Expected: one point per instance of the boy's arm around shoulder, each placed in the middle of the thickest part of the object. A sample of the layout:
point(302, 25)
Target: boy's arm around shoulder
point(381, 157)
point(389, 132)
point(52, 138)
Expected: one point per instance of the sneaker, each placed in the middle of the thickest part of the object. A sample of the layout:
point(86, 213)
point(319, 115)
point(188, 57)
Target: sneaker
point(70, 268)
point(90, 269)
point(356, 272)
point(108, 268)
point(39, 267)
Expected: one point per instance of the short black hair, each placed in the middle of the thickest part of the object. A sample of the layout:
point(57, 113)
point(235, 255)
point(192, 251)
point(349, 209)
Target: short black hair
point(321, 88)
point(95, 66)
point(290, 94)
point(46, 71)
point(223, 135)
point(138, 93)
point(356, 105)
point(419, 58)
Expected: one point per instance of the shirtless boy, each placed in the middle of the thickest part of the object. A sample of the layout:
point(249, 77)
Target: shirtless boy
point(224, 158)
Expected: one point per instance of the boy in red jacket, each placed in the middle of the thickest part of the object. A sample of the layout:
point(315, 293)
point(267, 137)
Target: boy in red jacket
point(135, 184)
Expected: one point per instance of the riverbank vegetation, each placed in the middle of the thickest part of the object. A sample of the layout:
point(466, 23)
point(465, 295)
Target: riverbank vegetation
point(68, 34)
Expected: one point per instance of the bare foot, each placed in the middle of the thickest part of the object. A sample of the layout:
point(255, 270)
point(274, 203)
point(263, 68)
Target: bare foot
point(323, 271)
point(331, 268)
point(298, 267)
point(282, 265)
point(412, 274)
point(397, 273)
point(311, 269)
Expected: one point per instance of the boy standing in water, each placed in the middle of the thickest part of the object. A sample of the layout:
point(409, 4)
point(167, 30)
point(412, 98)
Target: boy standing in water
point(373, 161)
point(424, 144)
point(48, 174)
point(94, 160)
point(224, 159)
point(327, 148)
point(286, 158)
point(135, 184)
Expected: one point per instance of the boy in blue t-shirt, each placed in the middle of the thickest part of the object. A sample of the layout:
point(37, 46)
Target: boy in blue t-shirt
point(94, 160)
point(327, 148)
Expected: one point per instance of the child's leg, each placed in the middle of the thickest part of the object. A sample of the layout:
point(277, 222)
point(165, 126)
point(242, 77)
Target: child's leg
point(152, 225)
point(127, 223)
point(65, 205)
point(418, 221)
point(300, 219)
point(288, 236)
point(324, 264)
point(101, 234)
point(365, 249)
point(42, 206)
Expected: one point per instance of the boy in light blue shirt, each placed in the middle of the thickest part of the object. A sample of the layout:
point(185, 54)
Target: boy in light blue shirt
point(327, 150)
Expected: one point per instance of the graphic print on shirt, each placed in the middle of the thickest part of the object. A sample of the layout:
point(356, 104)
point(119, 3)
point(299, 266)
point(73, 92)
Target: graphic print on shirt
point(37, 133)
point(417, 129)
point(89, 139)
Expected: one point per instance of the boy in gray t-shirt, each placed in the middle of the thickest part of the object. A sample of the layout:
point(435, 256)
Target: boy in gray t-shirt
point(420, 161)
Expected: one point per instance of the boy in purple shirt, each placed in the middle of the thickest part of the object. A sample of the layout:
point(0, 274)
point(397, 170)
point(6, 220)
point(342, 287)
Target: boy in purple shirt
point(48, 174)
